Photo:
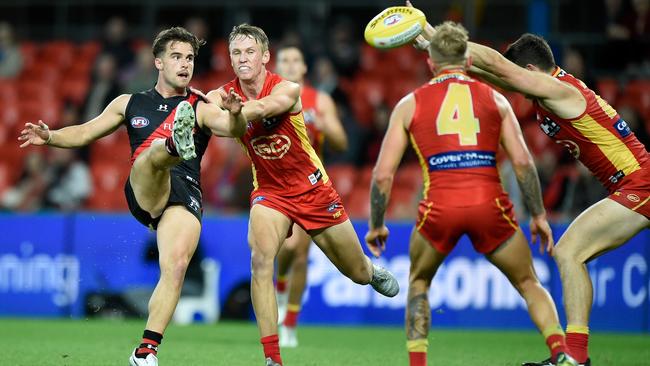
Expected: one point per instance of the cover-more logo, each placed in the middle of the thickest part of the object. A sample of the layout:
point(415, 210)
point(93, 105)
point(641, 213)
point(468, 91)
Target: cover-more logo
point(271, 147)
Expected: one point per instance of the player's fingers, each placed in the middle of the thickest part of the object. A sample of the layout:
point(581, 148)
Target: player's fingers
point(409, 4)
point(30, 125)
point(42, 125)
point(222, 93)
point(24, 144)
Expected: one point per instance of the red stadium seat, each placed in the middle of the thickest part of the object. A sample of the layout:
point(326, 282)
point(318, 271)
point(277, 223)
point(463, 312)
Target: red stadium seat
point(75, 89)
point(29, 51)
point(343, 177)
point(41, 72)
point(637, 93)
point(358, 204)
point(37, 91)
point(108, 186)
point(365, 94)
point(403, 203)
point(608, 89)
point(409, 176)
point(59, 53)
point(49, 111)
point(113, 148)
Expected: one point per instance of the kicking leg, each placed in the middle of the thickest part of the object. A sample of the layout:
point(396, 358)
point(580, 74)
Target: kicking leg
point(604, 226)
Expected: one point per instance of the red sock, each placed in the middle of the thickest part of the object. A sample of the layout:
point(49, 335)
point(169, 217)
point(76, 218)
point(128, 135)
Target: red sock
point(150, 342)
point(417, 359)
point(556, 344)
point(578, 345)
point(291, 320)
point(271, 348)
point(281, 284)
point(170, 146)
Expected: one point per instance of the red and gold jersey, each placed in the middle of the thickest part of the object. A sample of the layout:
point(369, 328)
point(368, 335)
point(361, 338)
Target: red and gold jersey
point(599, 138)
point(283, 160)
point(310, 112)
point(455, 131)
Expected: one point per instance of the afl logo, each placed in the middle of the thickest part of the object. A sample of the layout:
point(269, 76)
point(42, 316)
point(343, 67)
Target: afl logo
point(633, 198)
point(139, 122)
point(271, 147)
point(392, 20)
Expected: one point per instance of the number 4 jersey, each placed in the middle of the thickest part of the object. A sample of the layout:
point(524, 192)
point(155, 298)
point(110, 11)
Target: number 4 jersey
point(455, 132)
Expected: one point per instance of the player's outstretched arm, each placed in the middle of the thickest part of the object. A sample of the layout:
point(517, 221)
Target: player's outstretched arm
point(226, 122)
point(77, 135)
point(392, 149)
point(328, 121)
point(512, 141)
point(284, 97)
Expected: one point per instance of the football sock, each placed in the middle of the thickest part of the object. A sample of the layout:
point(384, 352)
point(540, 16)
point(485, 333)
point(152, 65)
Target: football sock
point(271, 348)
point(281, 284)
point(150, 342)
point(577, 338)
point(417, 352)
point(171, 147)
point(291, 320)
point(555, 341)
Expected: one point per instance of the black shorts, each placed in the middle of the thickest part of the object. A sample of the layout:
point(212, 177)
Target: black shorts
point(184, 192)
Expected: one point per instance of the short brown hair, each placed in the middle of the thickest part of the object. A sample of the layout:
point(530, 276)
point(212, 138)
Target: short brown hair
point(449, 42)
point(531, 49)
point(175, 34)
point(251, 31)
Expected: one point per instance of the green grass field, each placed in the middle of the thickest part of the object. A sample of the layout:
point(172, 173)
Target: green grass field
point(29, 342)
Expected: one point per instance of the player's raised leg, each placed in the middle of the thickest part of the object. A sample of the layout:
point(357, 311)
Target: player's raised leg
point(514, 259)
point(267, 230)
point(341, 245)
point(425, 261)
point(604, 226)
point(149, 176)
point(288, 314)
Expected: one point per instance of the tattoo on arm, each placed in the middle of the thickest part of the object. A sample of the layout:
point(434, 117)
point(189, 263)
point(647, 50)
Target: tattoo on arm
point(418, 317)
point(377, 206)
point(530, 188)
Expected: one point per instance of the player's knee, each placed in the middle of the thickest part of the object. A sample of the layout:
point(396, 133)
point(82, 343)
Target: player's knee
point(175, 268)
point(261, 264)
point(564, 255)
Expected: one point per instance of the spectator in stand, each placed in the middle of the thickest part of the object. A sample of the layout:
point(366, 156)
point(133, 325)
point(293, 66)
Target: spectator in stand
point(636, 122)
point(117, 43)
point(11, 60)
point(104, 87)
point(344, 47)
point(203, 60)
point(143, 75)
point(574, 64)
point(70, 181)
point(28, 193)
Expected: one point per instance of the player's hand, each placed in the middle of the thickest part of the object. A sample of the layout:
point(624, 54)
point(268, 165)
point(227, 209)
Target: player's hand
point(231, 100)
point(421, 44)
point(200, 93)
point(541, 231)
point(376, 240)
point(34, 134)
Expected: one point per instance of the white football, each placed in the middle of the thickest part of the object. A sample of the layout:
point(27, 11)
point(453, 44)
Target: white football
point(394, 26)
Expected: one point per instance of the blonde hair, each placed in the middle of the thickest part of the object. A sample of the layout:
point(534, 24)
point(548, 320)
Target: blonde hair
point(247, 30)
point(449, 43)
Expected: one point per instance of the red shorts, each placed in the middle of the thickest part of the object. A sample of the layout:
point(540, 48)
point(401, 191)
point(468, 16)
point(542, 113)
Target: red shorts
point(317, 209)
point(488, 225)
point(635, 192)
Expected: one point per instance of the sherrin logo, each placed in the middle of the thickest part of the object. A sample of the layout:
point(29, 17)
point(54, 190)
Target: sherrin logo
point(392, 20)
point(139, 122)
point(271, 147)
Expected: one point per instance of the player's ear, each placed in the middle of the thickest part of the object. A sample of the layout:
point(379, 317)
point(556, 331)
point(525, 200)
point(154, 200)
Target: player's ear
point(468, 62)
point(432, 65)
point(158, 62)
point(266, 57)
point(531, 67)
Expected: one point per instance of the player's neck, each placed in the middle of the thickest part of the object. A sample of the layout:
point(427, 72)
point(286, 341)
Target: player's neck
point(450, 69)
point(253, 87)
point(167, 91)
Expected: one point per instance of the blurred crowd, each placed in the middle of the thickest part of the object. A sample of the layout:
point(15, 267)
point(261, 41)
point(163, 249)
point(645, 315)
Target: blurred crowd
point(67, 83)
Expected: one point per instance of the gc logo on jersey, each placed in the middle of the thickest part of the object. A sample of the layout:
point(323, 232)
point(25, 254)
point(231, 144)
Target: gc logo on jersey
point(139, 122)
point(622, 128)
point(271, 147)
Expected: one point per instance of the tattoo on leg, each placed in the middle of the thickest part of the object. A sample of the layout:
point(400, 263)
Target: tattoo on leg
point(418, 317)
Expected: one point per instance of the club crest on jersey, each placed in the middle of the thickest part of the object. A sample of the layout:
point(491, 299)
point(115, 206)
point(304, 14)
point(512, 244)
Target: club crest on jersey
point(550, 127)
point(163, 108)
point(139, 122)
point(271, 147)
point(633, 197)
point(622, 128)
